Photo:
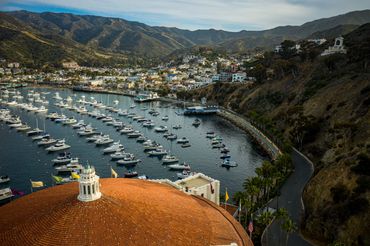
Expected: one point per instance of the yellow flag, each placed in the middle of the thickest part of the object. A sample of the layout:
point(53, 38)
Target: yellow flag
point(75, 175)
point(226, 196)
point(113, 173)
point(36, 184)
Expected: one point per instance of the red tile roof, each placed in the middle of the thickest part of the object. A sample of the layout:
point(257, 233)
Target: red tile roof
point(130, 212)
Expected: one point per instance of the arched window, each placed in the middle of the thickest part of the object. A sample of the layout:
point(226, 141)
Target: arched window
point(84, 190)
point(88, 190)
point(93, 188)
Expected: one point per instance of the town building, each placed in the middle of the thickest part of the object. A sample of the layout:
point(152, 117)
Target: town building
point(120, 211)
point(70, 65)
point(337, 48)
point(238, 77)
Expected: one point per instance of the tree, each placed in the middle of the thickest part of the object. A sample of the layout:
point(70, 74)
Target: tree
point(289, 228)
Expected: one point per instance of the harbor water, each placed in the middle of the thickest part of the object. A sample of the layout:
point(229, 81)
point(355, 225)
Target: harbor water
point(23, 160)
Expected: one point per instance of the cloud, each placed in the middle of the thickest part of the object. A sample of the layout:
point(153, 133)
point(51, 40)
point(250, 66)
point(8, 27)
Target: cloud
point(203, 14)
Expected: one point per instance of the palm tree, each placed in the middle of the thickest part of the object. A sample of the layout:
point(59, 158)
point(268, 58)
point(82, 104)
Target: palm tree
point(289, 227)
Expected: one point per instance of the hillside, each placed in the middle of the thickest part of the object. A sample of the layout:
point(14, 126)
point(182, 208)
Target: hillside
point(320, 106)
point(109, 37)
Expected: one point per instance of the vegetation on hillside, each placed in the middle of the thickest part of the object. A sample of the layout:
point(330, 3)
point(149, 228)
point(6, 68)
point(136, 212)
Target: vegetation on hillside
point(321, 106)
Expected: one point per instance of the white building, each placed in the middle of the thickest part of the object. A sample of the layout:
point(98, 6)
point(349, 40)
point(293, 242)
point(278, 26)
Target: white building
point(337, 48)
point(238, 77)
point(198, 184)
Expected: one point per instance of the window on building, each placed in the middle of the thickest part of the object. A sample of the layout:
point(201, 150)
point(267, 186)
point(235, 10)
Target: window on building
point(93, 189)
point(84, 190)
point(88, 190)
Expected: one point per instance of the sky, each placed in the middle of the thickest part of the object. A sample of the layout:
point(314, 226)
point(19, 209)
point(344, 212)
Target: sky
point(231, 15)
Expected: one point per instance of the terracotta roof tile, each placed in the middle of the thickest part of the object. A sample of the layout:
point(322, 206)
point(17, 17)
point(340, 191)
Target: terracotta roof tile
point(130, 212)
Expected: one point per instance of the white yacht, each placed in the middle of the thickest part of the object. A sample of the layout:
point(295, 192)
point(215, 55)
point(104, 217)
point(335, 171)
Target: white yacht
point(134, 134)
point(161, 129)
point(229, 163)
point(79, 124)
point(158, 152)
point(116, 146)
point(180, 166)
point(4, 179)
point(70, 121)
point(127, 130)
point(104, 141)
point(118, 155)
point(6, 193)
point(129, 159)
point(71, 167)
point(46, 141)
point(23, 128)
point(59, 145)
point(182, 140)
point(169, 159)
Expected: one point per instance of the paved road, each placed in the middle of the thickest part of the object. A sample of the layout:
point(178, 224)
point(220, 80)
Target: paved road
point(290, 198)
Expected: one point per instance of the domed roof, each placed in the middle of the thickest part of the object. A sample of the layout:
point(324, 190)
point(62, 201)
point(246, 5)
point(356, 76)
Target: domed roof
point(130, 212)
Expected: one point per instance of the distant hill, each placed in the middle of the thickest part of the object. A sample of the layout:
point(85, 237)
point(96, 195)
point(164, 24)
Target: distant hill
point(332, 33)
point(109, 37)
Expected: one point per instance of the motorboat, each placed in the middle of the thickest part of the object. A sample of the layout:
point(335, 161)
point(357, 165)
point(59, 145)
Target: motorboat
point(225, 150)
point(161, 129)
point(130, 174)
point(229, 163)
point(41, 110)
point(165, 118)
point(107, 119)
point(148, 124)
point(134, 134)
point(69, 121)
point(5, 193)
point(184, 174)
point(4, 179)
point(16, 125)
point(58, 146)
point(132, 106)
point(118, 155)
point(169, 159)
point(141, 139)
point(104, 141)
point(185, 145)
point(122, 112)
point(151, 146)
point(196, 122)
point(127, 130)
point(86, 131)
point(176, 127)
point(129, 159)
point(61, 119)
point(182, 140)
point(116, 146)
point(225, 156)
point(34, 131)
point(79, 124)
point(211, 135)
point(62, 158)
point(42, 136)
point(171, 136)
point(95, 137)
point(131, 115)
point(71, 167)
point(183, 166)
point(157, 152)
point(46, 141)
point(53, 116)
point(23, 128)
point(217, 145)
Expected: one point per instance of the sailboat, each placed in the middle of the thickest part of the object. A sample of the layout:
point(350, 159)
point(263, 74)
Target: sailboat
point(35, 131)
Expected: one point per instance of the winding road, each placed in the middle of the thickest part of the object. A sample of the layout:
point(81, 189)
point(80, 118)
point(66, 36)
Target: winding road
point(291, 199)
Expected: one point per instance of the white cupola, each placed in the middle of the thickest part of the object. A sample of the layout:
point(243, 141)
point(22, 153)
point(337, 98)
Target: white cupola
point(89, 185)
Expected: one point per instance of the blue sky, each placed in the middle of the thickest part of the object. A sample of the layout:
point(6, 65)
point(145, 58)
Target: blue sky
point(232, 15)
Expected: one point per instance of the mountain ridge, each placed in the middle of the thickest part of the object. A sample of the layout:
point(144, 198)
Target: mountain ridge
point(130, 38)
